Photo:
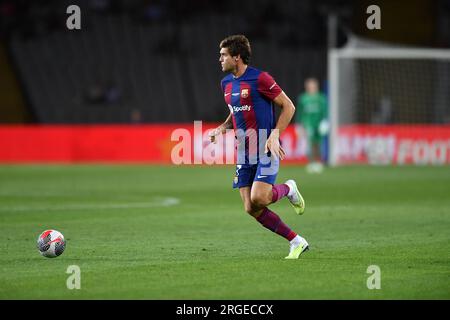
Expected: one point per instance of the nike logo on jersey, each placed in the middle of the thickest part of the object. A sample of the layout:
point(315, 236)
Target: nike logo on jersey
point(226, 94)
point(259, 177)
point(235, 94)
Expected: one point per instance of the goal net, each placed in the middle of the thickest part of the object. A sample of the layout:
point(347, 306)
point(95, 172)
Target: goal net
point(389, 106)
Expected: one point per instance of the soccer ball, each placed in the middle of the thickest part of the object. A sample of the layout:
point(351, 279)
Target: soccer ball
point(51, 243)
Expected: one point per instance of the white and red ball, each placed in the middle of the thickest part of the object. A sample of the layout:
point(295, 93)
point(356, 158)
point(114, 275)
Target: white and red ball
point(51, 243)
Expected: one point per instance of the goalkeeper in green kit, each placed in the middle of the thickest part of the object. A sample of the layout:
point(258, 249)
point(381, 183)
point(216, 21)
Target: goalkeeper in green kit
point(311, 116)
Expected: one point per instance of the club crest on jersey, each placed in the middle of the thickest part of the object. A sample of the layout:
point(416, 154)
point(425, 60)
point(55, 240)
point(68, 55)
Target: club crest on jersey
point(244, 93)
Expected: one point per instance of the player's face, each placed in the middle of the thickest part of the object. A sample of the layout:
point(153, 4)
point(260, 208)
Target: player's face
point(312, 86)
point(227, 61)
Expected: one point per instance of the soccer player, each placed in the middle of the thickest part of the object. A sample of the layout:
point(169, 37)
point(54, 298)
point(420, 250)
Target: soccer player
point(250, 95)
point(311, 115)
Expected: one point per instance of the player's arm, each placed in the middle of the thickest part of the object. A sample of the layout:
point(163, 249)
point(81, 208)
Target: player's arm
point(287, 112)
point(227, 124)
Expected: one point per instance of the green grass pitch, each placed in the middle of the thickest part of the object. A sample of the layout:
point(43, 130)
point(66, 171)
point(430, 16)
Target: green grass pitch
point(162, 232)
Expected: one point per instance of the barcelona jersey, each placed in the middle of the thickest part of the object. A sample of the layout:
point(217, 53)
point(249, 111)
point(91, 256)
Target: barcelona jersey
point(249, 98)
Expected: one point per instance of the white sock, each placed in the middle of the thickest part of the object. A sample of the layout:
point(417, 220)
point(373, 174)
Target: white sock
point(291, 191)
point(296, 241)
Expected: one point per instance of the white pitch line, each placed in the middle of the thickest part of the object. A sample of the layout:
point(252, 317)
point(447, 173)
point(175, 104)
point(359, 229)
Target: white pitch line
point(159, 202)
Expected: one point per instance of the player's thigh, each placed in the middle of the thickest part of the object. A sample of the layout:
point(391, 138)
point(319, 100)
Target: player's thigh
point(261, 194)
point(315, 137)
point(310, 131)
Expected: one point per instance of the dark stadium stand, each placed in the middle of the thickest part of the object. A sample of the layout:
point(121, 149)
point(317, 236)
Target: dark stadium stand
point(167, 69)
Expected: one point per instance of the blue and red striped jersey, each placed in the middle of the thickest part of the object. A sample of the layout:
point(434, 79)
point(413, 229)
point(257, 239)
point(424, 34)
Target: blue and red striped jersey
point(249, 98)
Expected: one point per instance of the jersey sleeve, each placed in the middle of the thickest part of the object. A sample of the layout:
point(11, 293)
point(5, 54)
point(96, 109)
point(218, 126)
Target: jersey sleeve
point(267, 86)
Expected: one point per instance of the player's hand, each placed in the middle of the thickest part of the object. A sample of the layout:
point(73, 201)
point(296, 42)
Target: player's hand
point(273, 144)
point(324, 127)
point(215, 132)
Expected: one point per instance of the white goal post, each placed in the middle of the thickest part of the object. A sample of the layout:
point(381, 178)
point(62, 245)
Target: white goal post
point(384, 88)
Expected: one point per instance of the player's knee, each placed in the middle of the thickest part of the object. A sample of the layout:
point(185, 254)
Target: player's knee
point(259, 201)
point(248, 208)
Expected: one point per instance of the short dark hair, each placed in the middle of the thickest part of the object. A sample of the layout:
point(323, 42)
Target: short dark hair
point(238, 45)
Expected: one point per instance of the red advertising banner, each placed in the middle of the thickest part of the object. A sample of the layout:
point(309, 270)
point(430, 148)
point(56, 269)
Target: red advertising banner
point(189, 144)
point(61, 143)
point(162, 144)
point(394, 144)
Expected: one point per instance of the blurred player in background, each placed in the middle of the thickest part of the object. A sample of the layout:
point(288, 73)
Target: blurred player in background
point(250, 94)
point(311, 118)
